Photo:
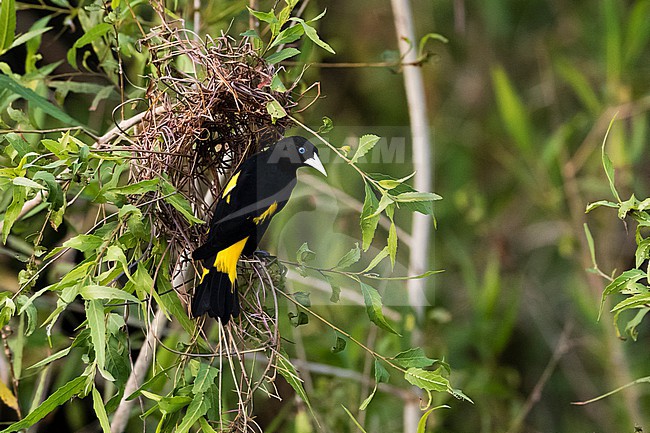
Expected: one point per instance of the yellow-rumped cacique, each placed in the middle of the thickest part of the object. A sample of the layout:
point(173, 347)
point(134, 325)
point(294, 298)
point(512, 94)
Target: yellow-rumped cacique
point(256, 191)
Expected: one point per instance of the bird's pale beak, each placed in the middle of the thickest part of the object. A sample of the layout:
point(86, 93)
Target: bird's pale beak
point(315, 162)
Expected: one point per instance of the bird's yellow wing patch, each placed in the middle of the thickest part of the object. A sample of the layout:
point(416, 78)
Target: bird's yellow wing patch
point(227, 258)
point(232, 183)
point(268, 213)
point(206, 271)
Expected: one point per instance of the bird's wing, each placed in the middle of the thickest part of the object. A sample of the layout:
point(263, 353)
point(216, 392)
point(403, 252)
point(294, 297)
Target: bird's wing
point(249, 200)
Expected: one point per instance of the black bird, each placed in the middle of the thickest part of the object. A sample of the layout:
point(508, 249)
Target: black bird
point(259, 189)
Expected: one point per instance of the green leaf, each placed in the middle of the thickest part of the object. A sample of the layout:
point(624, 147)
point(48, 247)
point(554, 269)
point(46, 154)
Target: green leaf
point(7, 24)
point(280, 56)
point(412, 358)
point(12, 212)
point(54, 192)
point(393, 183)
point(89, 36)
point(28, 36)
point(267, 17)
point(97, 325)
point(100, 411)
point(27, 183)
point(277, 85)
point(427, 380)
point(60, 396)
point(37, 100)
point(513, 112)
point(385, 201)
point(170, 404)
point(353, 419)
point(304, 254)
point(179, 202)
point(607, 163)
point(407, 197)
point(642, 252)
point(288, 371)
point(95, 292)
point(288, 36)
point(205, 426)
point(620, 283)
point(58, 355)
point(350, 258)
point(313, 35)
point(422, 424)
point(372, 299)
point(204, 378)
point(340, 344)
point(327, 125)
point(84, 243)
point(368, 222)
point(275, 110)
point(366, 143)
point(141, 187)
point(392, 244)
point(196, 410)
point(376, 260)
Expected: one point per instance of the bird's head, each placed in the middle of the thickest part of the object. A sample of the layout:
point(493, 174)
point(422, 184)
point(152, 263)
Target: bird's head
point(296, 151)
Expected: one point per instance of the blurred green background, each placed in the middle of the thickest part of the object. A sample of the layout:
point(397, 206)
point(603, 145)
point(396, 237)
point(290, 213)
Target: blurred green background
point(519, 101)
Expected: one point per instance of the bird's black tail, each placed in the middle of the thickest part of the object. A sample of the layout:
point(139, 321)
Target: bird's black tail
point(216, 296)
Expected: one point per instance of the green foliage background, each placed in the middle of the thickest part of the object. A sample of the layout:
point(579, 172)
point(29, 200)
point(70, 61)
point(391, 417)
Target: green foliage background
point(520, 99)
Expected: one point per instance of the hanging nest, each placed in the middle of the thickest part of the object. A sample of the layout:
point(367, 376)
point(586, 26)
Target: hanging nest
point(202, 124)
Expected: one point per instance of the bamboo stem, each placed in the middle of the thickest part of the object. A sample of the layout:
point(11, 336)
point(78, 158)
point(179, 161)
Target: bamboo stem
point(421, 224)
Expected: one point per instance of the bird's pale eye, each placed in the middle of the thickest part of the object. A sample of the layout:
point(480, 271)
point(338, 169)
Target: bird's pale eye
point(301, 150)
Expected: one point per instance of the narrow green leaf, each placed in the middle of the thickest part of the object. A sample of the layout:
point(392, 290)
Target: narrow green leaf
point(12, 212)
point(513, 112)
point(392, 244)
point(384, 202)
point(27, 183)
point(313, 35)
point(376, 260)
point(288, 371)
point(414, 357)
point(28, 36)
point(368, 222)
point(642, 252)
point(353, 419)
point(54, 192)
point(179, 202)
point(393, 183)
point(7, 24)
point(350, 258)
point(37, 100)
point(58, 355)
point(372, 299)
point(282, 55)
point(97, 325)
point(204, 378)
point(60, 396)
point(607, 163)
point(267, 17)
point(84, 242)
point(141, 187)
point(407, 197)
point(95, 292)
point(88, 37)
point(205, 426)
point(288, 36)
point(366, 143)
point(422, 424)
point(197, 409)
point(172, 404)
point(100, 411)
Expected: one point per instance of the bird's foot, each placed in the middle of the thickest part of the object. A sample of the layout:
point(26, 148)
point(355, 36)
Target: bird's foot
point(264, 256)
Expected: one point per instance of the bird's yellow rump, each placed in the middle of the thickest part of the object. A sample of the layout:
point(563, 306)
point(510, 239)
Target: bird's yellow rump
point(232, 183)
